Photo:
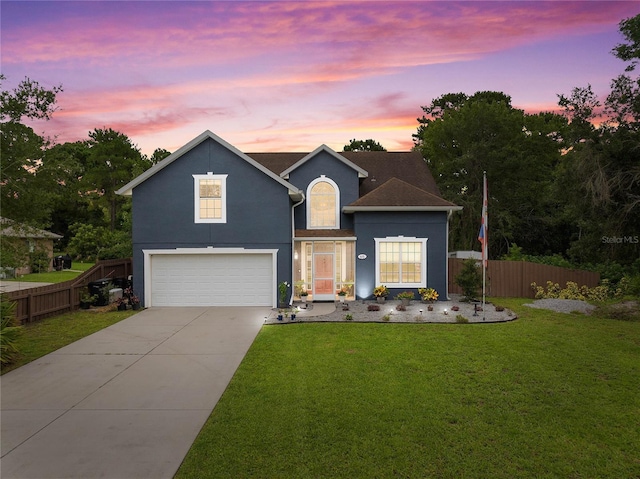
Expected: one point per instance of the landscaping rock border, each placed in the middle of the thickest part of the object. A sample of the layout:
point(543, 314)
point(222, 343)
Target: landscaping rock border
point(360, 313)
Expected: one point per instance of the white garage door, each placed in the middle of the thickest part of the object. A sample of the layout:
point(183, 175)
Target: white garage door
point(212, 280)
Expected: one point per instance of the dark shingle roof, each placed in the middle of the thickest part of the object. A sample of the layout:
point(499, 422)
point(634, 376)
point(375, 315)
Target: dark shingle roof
point(396, 192)
point(407, 166)
point(413, 186)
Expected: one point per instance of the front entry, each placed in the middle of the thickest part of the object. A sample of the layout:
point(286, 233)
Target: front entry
point(322, 267)
point(323, 277)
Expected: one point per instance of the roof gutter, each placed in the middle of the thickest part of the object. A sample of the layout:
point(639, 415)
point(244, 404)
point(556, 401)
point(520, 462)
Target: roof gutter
point(355, 209)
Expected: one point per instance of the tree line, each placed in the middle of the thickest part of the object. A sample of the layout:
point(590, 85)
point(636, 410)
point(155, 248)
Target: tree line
point(561, 185)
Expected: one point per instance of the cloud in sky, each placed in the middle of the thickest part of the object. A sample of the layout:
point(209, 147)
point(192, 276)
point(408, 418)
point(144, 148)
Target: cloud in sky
point(291, 75)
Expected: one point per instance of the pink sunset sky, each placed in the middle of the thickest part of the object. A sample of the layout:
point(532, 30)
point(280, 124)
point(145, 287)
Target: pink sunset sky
point(291, 75)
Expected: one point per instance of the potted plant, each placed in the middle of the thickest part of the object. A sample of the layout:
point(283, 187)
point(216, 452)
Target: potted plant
point(131, 297)
point(381, 292)
point(303, 295)
point(405, 297)
point(86, 300)
point(342, 293)
point(134, 301)
point(121, 303)
point(428, 295)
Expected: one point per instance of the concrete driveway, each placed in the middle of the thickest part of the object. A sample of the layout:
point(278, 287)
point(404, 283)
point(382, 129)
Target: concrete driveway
point(126, 402)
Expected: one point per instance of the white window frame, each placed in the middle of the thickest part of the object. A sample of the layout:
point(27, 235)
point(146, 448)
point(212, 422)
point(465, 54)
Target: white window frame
point(323, 178)
point(223, 197)
point(423, 260)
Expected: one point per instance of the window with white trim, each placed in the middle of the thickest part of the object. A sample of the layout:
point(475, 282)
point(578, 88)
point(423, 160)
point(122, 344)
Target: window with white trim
point(210, 193)
point(401, 262)
point(323, 204)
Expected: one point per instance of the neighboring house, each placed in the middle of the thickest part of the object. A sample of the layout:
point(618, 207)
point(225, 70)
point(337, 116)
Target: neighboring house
point(215, 226)
point(19, 243)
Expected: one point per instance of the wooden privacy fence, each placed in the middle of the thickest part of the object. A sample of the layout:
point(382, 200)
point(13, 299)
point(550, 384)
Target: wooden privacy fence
point(38, 303)
point(512, 279)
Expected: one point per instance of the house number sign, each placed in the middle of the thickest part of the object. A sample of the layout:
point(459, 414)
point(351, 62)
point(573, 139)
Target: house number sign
point(362, 256)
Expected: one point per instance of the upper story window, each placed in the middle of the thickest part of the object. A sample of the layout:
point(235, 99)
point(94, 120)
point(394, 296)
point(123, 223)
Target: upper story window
point(323, 204)
point(210, 193)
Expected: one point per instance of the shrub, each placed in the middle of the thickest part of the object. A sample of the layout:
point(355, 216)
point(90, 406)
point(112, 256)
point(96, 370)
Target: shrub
point(406, 295)
point(469, 278)
point(90, 242)
point(9, 332)
point(599, 293)
point(348, 317)
point(401, 307)
point(373, 307)
point(39, 261)
point(386, 317)
point(461, 319)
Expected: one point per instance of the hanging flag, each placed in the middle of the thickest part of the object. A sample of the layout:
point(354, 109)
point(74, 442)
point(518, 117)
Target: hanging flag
point(482, 236)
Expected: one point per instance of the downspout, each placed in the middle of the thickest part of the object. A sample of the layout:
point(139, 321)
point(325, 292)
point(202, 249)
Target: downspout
point(293, 249)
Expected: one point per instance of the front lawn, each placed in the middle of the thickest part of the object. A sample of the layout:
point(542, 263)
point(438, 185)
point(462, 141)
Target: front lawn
point(548, 395)
point(56, 276)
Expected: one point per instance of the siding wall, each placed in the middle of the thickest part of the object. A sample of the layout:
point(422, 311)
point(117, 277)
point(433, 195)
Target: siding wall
point(258, 210)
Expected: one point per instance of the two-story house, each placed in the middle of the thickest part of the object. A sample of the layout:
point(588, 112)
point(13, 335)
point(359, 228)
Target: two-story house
point(215, 226)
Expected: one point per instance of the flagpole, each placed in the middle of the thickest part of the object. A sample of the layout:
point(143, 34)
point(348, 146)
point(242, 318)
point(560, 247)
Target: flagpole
point(485, 244)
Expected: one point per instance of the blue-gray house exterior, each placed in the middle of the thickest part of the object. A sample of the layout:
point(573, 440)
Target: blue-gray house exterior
point(269, 218)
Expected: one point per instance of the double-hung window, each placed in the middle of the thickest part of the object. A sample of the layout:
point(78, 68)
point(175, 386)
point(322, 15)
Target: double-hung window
point(401, 262)
point(210, 193)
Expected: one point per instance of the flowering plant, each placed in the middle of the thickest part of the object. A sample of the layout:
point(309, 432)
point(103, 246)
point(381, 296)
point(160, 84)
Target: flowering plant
point(428, 294)
point(304, 292)
point(341, 292)
point(380, 291)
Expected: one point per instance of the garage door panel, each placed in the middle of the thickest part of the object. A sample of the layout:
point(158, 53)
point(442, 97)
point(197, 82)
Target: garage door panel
point(212, 279)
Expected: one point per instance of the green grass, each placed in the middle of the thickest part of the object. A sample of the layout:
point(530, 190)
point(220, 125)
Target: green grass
point(546, 396)
point(48, 335)
point(56, 276)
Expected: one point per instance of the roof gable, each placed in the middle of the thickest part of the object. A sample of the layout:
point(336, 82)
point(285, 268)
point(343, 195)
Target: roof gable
point(361, 172)
point(127, 190)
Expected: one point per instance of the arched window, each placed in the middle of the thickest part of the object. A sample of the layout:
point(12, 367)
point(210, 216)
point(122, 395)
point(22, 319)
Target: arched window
point(323, 204)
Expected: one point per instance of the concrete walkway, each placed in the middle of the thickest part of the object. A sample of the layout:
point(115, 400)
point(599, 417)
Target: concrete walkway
point(126, 402)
